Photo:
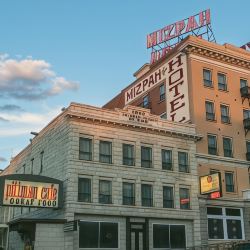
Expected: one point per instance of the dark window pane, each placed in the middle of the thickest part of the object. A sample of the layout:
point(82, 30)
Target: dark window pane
point(161, 236)
point(184, 198)
point(166, 159)
point(212, 144)
point(243, 83)
point(215, 229)
point(246, 113)
point(145, 103)
point(183, 161)
point(128, 194)
point(224, 114)
point(207, 78)
point(168, 197)
point(210, 115)
point(248, 146)
point(128, 154)
point(85, 149)
point(105, 152)
point(177, 236)
point(108, 235)
point(227, 146)
point(146, 157)
point(88, 234)
point(214, 210)
point(233, 212)
point(84, 190)
point(234, 229)
point(146, 195)
point(222, 82)
point(162, 92)
point(229, 182)
point(105, 192)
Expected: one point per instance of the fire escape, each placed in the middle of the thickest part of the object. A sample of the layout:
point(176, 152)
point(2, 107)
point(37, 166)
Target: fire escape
point(245, 94)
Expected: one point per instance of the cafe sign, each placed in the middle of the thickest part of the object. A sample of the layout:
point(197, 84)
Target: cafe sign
point(30, 191)
point(210, 183)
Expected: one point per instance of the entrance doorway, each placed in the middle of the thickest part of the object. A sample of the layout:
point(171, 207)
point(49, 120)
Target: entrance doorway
point(137, 236)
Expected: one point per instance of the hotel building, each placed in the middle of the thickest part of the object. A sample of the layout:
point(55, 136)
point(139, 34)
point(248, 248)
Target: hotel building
point(206, 84)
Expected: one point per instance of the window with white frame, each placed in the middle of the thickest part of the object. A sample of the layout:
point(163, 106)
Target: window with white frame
point(225, 223)
point(93, 234)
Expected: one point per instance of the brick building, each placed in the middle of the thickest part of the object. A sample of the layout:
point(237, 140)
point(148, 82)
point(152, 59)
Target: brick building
point(130, 182)
point(206, 84)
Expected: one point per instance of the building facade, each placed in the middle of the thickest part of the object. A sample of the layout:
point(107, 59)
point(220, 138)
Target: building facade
point(130, 182)
point(211, 81)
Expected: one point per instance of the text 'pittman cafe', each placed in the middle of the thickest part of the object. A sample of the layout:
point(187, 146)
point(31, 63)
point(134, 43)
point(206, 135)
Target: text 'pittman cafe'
point(30, 193)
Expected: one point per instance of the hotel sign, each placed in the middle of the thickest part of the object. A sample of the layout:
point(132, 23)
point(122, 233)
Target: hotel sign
point(30, 191)
point(165, 39)
point(210, 183)
point(174, 74)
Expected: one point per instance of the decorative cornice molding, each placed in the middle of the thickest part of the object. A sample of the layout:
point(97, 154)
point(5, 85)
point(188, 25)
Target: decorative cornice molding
point(216, 55)
point(145, 128)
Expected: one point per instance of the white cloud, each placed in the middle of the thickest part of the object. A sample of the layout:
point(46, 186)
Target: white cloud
point(30, 79)
point(24, 123)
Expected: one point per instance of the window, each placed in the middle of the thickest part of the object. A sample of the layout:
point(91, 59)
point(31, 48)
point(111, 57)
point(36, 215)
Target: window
point(128, 154)
point(248, 150)
point(207, 78)
point(162, 92)
point(105, 192)
point(222, 82)
point(146, 195)
point(224, 113)
point(24, 168)
point(105, 154)
point(225, 223)
point(163, 115)
point(98, 234)
point(243, 83)
point(166, 156)
point(227, 147)
point(210, 115)
point(229, 178)
point(85, 149)
point(183, 162)
point(246, 114)
point(169, 236)
point(32, 166)
point(168, 197)
point(184, 198)
point(41, 161)
point(145, 102)
point(212, 144)
point(84, 189)
point(146, 157)
point(128, 190)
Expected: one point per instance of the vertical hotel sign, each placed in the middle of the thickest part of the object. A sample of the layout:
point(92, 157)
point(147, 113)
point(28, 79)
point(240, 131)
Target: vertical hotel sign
point(174, 74)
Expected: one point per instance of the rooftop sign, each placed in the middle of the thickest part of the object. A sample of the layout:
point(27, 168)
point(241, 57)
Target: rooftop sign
point(30, 191)
point(163, 40)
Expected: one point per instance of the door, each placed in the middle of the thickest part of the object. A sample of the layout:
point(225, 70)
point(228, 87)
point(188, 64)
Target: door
point(137, 236)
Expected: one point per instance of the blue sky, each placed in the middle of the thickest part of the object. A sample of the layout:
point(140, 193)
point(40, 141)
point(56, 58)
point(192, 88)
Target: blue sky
point(56, 52)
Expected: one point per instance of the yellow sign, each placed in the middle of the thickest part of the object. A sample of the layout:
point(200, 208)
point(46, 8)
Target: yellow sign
point(30, 194)
point(210, 183)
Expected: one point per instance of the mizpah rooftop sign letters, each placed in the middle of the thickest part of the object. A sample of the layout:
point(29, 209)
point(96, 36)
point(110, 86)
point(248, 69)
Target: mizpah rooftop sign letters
point(163, 40)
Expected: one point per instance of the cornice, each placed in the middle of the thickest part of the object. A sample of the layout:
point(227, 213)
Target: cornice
point(133, 126)
point(221, 56)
